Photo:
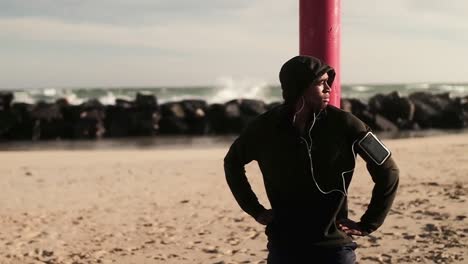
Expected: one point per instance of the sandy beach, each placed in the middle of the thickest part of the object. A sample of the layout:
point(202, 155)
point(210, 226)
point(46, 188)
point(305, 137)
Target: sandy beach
point(174, 206)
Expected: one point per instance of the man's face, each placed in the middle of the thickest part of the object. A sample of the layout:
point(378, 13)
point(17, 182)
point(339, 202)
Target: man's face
point(317, 95)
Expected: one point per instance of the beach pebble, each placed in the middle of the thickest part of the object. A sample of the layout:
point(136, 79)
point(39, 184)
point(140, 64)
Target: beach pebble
point(244, 250)
point(378, 258)
point(408, 236)
point(253, 235)
point(431, 228)
point(99, 254)
point(47, 253)
point(460, 217)
point(114, 250)
point(364, 244)
point(233, 241)
point(210, 250)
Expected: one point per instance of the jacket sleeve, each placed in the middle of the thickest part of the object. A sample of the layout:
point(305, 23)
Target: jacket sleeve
point(242, 152)
point(385, 178)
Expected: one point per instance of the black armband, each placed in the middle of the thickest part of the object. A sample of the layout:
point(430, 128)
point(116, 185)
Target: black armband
point(373, 149)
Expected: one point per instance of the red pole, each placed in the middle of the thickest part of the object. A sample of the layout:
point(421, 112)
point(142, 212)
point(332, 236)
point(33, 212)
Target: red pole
point(320, 36)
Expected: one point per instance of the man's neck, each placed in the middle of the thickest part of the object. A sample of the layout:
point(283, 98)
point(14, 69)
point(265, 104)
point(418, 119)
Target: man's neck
point(304, 120)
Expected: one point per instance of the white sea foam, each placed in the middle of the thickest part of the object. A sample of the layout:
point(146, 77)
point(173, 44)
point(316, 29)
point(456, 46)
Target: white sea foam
point(73, 99)
point(108, 99)
point(360, 88)
point(418, 86)
point(458, 89)
point(24, 97)
point(49, 92)
point(228, 88)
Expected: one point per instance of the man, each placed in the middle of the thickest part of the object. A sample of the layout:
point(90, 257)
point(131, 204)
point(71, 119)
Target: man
point(306, 151)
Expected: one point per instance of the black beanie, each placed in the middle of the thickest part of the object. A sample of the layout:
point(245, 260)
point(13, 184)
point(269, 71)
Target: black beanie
point(297, 74)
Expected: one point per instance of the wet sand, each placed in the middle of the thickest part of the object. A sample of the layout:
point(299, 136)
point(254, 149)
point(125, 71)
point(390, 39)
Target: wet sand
point(173, 206)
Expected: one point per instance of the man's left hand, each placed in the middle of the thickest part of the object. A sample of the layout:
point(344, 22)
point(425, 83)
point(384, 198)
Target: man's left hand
point(350, 227)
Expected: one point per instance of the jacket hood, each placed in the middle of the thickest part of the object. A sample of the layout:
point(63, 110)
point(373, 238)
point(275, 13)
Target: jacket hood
point(297, 73)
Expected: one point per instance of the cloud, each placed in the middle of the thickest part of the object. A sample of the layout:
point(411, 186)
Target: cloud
point(409, 19)
point(404, 41)
point(120, 11)
point(195, 42)
point(180, 38)
point(251, 43)
point(190, 34)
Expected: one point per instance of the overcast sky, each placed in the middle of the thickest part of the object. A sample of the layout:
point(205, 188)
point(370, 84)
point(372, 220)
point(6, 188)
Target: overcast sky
point(76, 43)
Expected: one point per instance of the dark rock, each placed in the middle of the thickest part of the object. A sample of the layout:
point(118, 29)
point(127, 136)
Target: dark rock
point(173, 119)
point(251, 107)
point(186, 117)
point(145, 117)
point(196, 116)
point(438, 111)
point(86, 121)
point(146, 101)
point(118, 120)
point(240, 112)
point(138, 118)
point(48, 121)
point(20, 123)
point(6, 98)
point(398, 110)
point(7, 121)
point(46, 111)
point(216, 119)
point(127, 118)
point(361, 110)
point(122, 103)
point(354, 106)
point(383, 124)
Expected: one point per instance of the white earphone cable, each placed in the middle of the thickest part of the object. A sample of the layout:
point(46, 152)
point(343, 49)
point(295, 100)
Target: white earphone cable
point(302, 107)
point(309, 151)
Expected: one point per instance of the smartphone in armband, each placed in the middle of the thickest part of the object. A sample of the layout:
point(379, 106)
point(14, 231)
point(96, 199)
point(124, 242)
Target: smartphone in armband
point(374, 148)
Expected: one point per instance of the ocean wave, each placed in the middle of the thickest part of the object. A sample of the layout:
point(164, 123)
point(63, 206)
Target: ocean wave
point(417, 86)
point(360, 88)
point(227, 89)
point(459, 89)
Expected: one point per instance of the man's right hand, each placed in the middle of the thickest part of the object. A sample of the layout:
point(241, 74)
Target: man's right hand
point(265, 217)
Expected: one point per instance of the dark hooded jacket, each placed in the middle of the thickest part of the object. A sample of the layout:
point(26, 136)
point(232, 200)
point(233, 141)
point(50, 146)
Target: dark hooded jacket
point(301, 211)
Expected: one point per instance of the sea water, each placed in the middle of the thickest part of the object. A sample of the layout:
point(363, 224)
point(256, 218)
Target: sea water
point(222, 93)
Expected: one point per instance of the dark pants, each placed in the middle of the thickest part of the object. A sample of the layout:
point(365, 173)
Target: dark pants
point(340, 255)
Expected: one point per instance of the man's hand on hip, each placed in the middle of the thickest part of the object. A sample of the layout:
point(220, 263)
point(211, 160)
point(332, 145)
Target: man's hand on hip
point(350, 227)
point(265, 217)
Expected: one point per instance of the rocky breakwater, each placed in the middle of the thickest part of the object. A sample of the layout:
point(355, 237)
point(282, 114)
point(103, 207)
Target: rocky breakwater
point(144, 116)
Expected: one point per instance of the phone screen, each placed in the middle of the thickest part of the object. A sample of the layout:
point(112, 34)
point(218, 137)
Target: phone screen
point(372, 146)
